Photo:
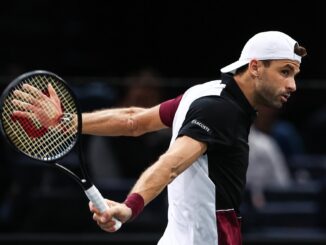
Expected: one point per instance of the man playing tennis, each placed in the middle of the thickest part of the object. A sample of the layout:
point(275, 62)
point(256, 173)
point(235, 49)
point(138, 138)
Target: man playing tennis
point(206, 163)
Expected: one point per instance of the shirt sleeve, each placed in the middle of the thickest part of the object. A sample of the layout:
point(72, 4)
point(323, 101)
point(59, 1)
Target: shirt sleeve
point(168, 110)
point(210, 120)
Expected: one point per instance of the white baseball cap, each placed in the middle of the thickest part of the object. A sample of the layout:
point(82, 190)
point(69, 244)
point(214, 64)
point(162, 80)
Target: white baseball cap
point(269, 45)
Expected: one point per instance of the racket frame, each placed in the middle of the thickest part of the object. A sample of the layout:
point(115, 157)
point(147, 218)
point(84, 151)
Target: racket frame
point(20, 79)
point(90, 190)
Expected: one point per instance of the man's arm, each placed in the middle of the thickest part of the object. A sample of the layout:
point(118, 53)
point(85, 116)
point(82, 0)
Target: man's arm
point(151, 183)
point(178, 158)
point(133, 121)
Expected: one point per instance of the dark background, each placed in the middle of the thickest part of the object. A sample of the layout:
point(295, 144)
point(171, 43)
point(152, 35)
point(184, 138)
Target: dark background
point(180, 39)
point(184, 42)
point(96, 45)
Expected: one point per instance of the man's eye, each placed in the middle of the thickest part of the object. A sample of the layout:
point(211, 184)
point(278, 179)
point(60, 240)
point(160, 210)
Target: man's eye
point(285, 72)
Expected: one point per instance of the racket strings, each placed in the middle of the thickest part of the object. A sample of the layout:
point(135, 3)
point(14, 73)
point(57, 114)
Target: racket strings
point(47, 145)
point(22, 140)
point(29, 133)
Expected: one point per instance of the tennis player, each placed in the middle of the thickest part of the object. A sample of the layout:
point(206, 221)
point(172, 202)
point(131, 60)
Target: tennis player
point(205, 166)
point(206, 163)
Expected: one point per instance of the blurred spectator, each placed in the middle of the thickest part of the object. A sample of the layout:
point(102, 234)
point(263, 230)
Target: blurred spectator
point(143, 89)
point(267, 166)
point(107, 155)
point(285, 133)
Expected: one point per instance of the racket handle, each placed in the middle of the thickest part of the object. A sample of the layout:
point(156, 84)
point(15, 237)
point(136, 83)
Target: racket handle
point(97, 199)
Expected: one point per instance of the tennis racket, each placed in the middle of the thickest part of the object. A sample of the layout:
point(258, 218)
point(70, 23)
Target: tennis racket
point(41, 119)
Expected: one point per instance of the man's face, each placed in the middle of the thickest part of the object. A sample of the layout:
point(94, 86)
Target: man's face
point(275, 83)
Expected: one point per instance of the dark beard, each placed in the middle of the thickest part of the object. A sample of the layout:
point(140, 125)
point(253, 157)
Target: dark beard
point(262, 100)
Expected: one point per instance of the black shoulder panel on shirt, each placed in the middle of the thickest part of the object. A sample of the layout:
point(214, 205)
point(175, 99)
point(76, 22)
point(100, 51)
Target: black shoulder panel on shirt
point(211, 119)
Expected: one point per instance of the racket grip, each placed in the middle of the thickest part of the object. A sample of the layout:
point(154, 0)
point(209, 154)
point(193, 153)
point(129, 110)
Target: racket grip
point(97, 199)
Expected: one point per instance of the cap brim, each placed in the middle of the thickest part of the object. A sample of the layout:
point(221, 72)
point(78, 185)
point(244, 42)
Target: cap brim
point(233, 66)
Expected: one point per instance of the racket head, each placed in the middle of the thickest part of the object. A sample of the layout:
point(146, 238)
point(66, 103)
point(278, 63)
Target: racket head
point(27, 134)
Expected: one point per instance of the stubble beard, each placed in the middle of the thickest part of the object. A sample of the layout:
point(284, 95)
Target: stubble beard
point(265, 98)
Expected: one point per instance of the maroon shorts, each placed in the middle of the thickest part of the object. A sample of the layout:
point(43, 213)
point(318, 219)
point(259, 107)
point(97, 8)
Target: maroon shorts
point(228, 227)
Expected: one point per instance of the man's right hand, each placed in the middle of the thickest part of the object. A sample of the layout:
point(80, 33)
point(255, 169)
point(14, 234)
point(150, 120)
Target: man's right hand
point(104, 220)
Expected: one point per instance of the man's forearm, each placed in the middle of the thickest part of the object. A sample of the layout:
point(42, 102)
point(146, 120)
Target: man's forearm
point(150, 184)
point(153, 181)
point(179, 157)
point(111, 122)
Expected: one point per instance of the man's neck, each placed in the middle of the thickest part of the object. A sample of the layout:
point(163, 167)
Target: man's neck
point(246, 84)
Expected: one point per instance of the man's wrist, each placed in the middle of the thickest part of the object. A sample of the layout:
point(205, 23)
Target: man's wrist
point(136, 203)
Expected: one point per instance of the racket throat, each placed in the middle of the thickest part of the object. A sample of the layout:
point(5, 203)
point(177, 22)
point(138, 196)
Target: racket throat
point(86, 184)
point(83, 182)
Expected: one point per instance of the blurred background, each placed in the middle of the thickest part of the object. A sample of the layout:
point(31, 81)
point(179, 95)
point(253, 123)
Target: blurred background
point(123, 53)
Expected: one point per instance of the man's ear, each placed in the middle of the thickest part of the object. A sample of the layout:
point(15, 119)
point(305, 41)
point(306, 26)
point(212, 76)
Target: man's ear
point(253, 67)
